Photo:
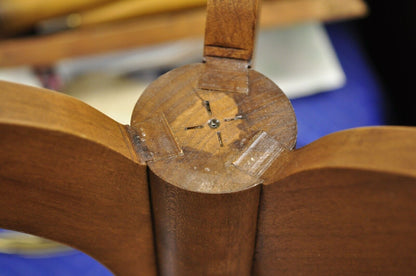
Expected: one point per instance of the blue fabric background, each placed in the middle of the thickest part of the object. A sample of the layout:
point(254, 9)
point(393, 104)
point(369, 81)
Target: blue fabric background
point(359, 103)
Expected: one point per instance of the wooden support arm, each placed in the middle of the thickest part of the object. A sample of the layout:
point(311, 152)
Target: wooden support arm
point(70, 174)
point(343, 204)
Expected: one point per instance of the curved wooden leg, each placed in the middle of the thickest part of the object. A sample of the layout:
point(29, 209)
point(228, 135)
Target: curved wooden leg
point(70, 174)
point(344, 204)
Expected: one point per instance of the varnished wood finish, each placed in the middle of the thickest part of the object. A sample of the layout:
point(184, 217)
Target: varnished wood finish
point(70, 174)
point(230, 29)
point(205, 208)
point(175, 96)
point(203, 234)
point(161, 28)
point(204, 204)
point(344, 204)
point(225, 74)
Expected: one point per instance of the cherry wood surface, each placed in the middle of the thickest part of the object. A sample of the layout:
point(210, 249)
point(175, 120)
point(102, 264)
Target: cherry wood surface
point(204, 234)
point(70, 174)
point(344, 204)
point(236, 42)
point(224, 192)
point(204, 206)
point(176, 98)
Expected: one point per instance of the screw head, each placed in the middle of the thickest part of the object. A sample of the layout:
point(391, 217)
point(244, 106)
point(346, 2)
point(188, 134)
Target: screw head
point(214, 123)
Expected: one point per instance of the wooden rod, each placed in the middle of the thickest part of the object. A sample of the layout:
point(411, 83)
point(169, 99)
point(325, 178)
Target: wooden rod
point(203, 234)
point(230, 28)
point(119, 10)
point(19, 15)
point(158, 29)
point(69, 173)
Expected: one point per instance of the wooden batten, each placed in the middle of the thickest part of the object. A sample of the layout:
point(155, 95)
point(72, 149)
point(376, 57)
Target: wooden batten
point(161, 28)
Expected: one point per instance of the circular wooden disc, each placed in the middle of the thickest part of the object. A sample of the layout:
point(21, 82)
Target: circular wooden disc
point(213, 128)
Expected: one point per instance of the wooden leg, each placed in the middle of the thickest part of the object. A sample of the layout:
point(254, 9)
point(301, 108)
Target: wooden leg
point(70, 174)
point(344, 204)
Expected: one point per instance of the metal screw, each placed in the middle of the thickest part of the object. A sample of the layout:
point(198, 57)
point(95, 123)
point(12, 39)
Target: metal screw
point(214, 123)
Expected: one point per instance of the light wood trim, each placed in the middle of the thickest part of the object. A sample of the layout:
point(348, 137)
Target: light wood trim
point(20, 15)
point(47, 50)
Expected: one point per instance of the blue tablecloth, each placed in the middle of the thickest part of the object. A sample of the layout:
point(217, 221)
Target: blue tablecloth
point(358, 103)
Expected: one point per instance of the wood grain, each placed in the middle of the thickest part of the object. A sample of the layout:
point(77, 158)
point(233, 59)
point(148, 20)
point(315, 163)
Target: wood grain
point(177, 97)
point(230, 28)
point(228, 46)
point(161, 28)
point(225, 74)
point(70, 174)
point(342, 205)
point(204, 206)
point(203, 234)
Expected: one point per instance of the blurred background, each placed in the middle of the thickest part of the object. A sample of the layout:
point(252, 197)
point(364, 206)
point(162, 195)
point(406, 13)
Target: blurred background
point(343, 63)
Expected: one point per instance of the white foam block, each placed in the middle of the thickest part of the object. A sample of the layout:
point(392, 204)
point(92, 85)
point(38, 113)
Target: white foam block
point(300, 59)
point(22, 75)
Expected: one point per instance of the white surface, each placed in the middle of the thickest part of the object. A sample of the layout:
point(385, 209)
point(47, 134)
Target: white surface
point(299, 59)
point(23, 75)
point(112, 95)
point(166, 55)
